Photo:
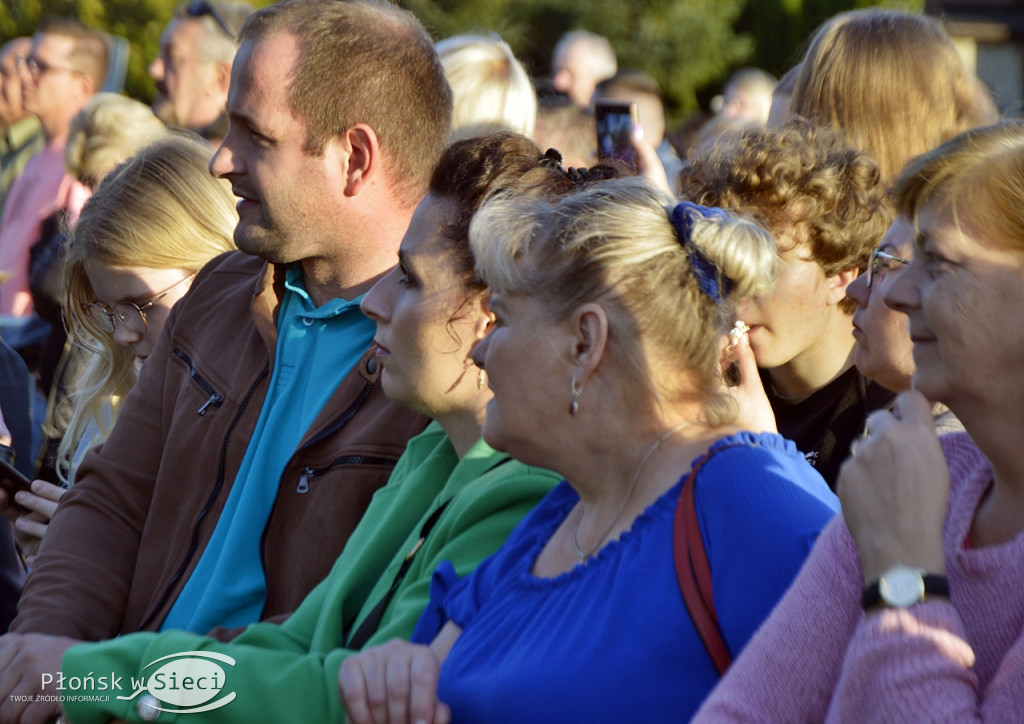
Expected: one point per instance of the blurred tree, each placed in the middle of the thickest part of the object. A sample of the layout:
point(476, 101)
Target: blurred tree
point(689, 46)
point(684, 44)
point(784, 27)
point(139, 21)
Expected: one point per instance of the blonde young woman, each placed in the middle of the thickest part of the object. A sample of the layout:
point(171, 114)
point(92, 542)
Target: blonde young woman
point(613, 381)
point(107, 131)
point(910, 609)
point(141, 238)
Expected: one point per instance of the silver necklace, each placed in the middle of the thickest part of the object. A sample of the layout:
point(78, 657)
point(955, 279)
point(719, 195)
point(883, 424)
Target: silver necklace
point(622, 506)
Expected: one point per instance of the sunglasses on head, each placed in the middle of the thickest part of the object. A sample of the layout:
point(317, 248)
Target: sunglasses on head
point(199, 8)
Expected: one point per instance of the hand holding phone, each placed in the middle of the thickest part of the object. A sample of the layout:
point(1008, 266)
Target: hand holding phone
point(615, 121)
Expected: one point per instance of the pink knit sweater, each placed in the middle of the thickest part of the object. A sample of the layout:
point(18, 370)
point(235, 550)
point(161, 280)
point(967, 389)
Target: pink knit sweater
point(817, 658)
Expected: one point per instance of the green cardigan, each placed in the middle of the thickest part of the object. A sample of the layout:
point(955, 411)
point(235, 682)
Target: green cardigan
point(289, 672)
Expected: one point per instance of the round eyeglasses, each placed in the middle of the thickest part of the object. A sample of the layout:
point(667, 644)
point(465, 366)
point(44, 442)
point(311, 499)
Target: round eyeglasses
point(37, 68)
point(128, 314)
point(881, 262)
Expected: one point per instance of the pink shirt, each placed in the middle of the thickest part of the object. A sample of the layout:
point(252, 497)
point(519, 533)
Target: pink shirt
point(818, 658)
point(40, 190)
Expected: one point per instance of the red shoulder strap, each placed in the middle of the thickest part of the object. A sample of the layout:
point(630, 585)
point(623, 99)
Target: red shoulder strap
point(694, 572)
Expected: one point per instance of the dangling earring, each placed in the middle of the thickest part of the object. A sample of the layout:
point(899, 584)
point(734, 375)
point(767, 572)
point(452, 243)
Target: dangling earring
point(481, 379)
point(577, 390)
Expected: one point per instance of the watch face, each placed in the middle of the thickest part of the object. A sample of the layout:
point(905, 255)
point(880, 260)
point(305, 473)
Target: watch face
point(901, 586)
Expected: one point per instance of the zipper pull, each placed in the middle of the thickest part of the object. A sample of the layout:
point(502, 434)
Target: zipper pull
point(304, 477)
point(215, 399)
point(415, 550)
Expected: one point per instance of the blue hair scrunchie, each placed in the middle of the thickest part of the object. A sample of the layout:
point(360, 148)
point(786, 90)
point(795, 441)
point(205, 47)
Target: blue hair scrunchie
point(708, 275)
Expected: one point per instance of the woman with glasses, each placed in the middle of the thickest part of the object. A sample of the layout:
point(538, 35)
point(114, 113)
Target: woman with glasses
point(152, 224)
point(911, 608)
point(883, 350)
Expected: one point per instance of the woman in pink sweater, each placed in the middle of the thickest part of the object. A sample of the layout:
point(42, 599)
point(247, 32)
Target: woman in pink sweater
point(912, 608)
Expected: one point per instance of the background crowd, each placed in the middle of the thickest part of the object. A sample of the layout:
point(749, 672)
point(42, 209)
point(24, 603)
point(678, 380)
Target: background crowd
point(351, 361)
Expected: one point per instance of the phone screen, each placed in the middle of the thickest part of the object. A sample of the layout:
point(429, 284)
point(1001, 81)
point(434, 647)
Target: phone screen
point(615, 121)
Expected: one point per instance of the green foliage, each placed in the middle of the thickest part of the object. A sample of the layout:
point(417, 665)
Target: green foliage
point(689, 46)
point(684, 44)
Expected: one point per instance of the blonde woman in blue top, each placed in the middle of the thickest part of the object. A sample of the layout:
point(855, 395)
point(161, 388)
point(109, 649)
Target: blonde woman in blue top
point(611, 310)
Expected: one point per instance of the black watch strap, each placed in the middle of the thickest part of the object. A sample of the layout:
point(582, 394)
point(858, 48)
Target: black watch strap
point(933, 586)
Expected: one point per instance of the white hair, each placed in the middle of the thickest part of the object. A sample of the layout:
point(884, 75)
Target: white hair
point(491, 90)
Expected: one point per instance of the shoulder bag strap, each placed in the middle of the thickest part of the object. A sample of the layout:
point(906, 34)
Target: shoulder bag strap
point(694, 572)
point(372, 621)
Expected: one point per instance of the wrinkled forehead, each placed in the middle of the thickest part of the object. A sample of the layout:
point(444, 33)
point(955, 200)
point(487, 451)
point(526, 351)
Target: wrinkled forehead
point(183, 35)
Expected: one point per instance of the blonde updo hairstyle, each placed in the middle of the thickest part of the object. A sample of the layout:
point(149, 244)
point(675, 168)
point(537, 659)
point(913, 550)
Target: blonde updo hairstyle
point(980, 173)
point(160, 209)
point(892, 82)
point(613, 244)
point(108, 129)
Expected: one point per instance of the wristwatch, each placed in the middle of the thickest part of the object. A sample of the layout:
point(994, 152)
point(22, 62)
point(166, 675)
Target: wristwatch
point(902, 586)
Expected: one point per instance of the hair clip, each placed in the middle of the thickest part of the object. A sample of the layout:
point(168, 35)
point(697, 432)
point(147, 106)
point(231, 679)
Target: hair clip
point(551, 159)
point(708, 275)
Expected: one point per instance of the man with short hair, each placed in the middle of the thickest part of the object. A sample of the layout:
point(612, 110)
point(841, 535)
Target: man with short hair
point(193, 70)
point(257, 433)
point(580, 61)
point(64, 67)
point(825, 204)
point(21, 136)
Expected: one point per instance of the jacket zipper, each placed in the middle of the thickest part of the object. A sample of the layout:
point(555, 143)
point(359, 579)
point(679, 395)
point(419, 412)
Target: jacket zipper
point(221, 466)
point(308, 474)
point(331, 429)
point(215, 398)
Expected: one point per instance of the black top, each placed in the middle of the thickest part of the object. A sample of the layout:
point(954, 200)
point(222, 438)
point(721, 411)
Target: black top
point(825, 424)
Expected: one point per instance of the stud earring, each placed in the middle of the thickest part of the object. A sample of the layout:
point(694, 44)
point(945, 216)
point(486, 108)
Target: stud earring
point(577, 390)
point(481, 379)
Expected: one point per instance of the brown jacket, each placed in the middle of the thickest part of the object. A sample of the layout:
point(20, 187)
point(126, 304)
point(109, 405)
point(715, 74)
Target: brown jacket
point(126, 537)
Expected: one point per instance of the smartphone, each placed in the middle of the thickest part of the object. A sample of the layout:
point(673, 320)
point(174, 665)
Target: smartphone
point(11, 480)
point(615, 121)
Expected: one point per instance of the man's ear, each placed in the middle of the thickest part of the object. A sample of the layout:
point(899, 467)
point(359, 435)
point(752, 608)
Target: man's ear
point(359, 142)
point(838, 282)
point(86, 85)
point(588, 338)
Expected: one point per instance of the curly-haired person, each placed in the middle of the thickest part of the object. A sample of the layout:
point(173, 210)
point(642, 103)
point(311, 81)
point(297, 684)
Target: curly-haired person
point(825, 204)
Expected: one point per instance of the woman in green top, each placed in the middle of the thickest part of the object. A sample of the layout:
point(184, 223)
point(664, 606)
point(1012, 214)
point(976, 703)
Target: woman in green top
point(430, 312)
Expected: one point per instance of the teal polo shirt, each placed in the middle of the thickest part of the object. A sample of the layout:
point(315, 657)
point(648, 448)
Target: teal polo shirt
point(316, 348)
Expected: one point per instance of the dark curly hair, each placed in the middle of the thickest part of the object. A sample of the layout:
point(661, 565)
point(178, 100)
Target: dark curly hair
point(802, 178)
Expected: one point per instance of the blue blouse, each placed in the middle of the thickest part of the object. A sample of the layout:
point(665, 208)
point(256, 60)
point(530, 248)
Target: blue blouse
point(612, 640)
